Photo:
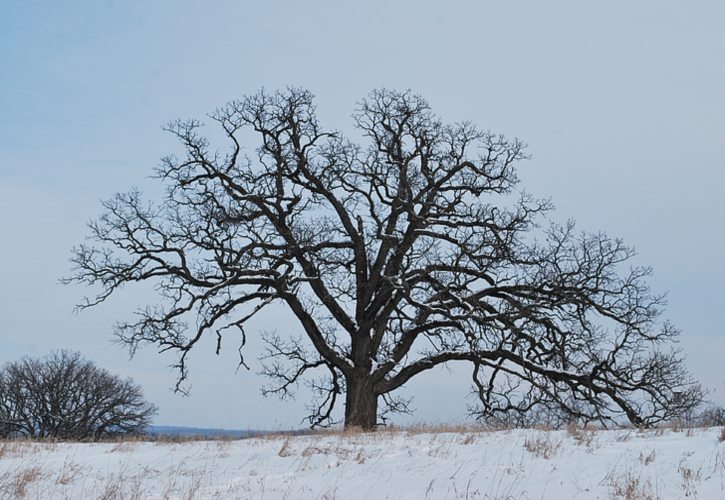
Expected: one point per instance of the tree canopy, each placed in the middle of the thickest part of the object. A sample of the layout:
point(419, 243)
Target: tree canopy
point(65, 396)
point(410, 249)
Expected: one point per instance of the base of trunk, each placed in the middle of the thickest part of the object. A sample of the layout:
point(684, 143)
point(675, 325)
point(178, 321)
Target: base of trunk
point(361, 405)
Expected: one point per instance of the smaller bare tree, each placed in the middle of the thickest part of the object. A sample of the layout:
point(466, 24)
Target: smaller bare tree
point(711, 416)
point(66, 396)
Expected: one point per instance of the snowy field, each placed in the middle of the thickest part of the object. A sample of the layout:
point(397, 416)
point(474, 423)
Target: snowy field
point(516, 464)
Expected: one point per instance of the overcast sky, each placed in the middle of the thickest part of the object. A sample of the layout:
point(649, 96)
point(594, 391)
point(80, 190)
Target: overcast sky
point(622, 104)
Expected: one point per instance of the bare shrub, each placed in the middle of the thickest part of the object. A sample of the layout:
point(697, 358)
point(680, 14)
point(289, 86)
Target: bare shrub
point(65, 396)
point(712, 416)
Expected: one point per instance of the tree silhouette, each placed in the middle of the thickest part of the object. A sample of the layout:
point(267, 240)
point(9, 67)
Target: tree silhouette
point(65, 396)
point(406, 252)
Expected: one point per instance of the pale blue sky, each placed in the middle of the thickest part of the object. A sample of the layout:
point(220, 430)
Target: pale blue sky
point(622, 104)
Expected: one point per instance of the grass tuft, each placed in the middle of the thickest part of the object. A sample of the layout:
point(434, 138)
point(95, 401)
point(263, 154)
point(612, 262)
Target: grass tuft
point(543, 447)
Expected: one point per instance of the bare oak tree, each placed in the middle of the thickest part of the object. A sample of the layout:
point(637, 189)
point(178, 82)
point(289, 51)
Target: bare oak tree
point(65, 396)
point(407, 252)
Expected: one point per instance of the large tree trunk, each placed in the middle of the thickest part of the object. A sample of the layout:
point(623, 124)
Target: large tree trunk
point(361, 403)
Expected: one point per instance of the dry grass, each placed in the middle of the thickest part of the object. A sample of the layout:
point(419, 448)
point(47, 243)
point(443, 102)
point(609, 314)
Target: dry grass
point(647, 459)
point(469, 438)
point(11, 448)
point(68, 473)
point(543, 447)
point(285, 451)
point(411, 430)
point(195, 438)
point(19, 448)
point(184, 484)
point(629, 487)
point(15, 484)
point(688, 478)
point(624, 437)
point(721, 437)
point(443, 429)
point(583, 436)
point(124, 447)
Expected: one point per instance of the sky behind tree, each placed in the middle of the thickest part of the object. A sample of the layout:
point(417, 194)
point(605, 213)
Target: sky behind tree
point(622, 105)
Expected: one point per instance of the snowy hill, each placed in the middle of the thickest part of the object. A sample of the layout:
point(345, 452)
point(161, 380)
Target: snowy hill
point(516, 464)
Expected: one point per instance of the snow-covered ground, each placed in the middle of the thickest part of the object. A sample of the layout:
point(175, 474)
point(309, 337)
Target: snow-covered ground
point(526, 464)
